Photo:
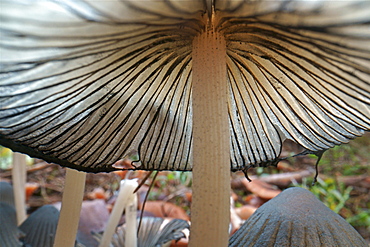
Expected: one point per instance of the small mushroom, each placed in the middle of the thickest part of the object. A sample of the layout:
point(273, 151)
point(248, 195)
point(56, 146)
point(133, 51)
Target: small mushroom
point(154, 232)
point(9, 232)
point(40, 226)
point(126, 200)
point(94, 217)
point(6, 193)
point(296, 218)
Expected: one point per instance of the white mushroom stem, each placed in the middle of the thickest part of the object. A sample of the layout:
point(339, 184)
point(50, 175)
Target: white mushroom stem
point(210, 215)
point(125, 197)
point(131, 221)
point(74, 187)
point(19, 174)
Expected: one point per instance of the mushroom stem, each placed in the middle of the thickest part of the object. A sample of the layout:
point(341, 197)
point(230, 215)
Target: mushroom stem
point(19, 173)
point(131, 221)
point(210, 215)
point(125, 198)
point(74, 187)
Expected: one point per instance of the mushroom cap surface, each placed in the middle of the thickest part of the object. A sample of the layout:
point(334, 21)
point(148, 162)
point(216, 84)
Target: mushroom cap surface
point(296, 218)
point(9, 232)
point(154, 231)
point(6, 193)
point(40, 227)
point(93, 218)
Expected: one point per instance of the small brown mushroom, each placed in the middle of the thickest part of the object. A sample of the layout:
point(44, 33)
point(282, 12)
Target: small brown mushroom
point(296, 218)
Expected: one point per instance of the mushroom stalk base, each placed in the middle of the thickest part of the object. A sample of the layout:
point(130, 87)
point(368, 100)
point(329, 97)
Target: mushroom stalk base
point(125, 198)
point(210, 209)
point(19, 173)
point(69, 217)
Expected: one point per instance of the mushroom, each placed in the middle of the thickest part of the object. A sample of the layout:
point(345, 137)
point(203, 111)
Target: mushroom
point(296, 218)
point(126, 200)
point(203, 86)
point(94, 217)
point(6, 193)
point(40, 227)
point(153, 232)
point(9, 232)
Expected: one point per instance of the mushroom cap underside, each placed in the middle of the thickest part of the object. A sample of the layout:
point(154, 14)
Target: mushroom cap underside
point(86, 83)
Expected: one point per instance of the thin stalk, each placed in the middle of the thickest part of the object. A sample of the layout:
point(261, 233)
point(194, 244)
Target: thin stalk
point(131, 221)
point(74, 187)
point(19, 174)
point(125, 196)
point(146, 198)
point(210, 215)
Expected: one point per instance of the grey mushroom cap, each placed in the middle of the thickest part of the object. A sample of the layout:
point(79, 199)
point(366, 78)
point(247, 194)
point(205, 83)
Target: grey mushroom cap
point(6, 193)
point(93, 218)
point(152, 232)
point(9, 232)
point(296, 218)
point(41, 226)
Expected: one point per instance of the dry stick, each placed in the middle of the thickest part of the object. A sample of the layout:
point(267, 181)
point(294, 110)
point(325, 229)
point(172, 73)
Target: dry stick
point(319, 156)
point(143, 181)
point(146, 198)
point(210, 209)
point(19, 174)
point(74, 187)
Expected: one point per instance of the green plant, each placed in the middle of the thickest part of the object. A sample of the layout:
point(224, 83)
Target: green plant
point(333, 194)
point(361, 219)
point(349, 159)
point(5, 158)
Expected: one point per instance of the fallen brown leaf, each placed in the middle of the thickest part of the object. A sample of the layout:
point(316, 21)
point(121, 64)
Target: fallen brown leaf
point(165, 209)
point(261, 189)
point(244, 212)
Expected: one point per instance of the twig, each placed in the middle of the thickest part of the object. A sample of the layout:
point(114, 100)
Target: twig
point(145, 199)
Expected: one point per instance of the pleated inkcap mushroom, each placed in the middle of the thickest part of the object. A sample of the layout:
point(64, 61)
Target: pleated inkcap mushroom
point(40, 227)
point(6, 193)
point(296, 218)
point(205, 86)
point(154, 232)
point(9, 233)
point(93, 218)
point(84, 83)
